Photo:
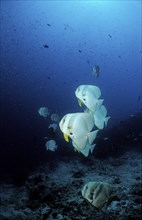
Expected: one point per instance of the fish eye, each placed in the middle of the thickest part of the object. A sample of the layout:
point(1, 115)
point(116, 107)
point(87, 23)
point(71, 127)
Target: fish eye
point(84, 99)
point(71, 133)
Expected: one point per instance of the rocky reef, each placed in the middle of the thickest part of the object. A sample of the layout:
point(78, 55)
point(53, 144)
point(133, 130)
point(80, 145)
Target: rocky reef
point(50, 194)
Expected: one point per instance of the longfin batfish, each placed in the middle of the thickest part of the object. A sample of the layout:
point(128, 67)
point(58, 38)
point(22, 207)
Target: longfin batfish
point(78, 126)
point(43, 111)
point(89, 95)
point(100, 117)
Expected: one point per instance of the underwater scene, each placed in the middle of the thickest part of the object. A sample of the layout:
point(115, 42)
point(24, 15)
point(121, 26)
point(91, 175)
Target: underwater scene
point(70, 110)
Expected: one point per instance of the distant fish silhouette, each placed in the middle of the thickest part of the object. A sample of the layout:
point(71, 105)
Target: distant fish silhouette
point(43, 111)
point(45, 46)
point(55, 117)
point(51, 145)
point(109, 35)
point(50, 132)
point(139, 98)
point(96, 71)
point(66, 26)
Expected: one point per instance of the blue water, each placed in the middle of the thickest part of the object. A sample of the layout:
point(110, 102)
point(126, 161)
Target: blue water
point(78, 35)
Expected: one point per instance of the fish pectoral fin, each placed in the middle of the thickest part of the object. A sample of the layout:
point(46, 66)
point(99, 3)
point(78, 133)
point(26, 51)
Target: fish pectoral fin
point(92, 136)
point(66, 137)
point(99, 103)
point(80, 102)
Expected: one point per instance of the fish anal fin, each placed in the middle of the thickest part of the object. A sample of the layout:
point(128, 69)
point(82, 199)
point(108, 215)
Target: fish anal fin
point(104, 110)
point(92, 136)
point(85, 151)
point(80, 142)
point(106, 120)
point(99, 124)
point(92, 147)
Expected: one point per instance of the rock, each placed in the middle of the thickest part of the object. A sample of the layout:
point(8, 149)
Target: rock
point(78, 174)
point(116, 180)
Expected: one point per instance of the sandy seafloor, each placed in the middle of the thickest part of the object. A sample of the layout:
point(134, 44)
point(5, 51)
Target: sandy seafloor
point(56, 193)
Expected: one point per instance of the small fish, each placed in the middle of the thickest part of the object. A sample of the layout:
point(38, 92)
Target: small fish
point(96, 71)
point(45, 46)
point(51, 145)
point(66, 27)
point(54, 126)
point(97, 193)
point(55, 117)
point(109, 35)
point(43, 111)
point(139, 98)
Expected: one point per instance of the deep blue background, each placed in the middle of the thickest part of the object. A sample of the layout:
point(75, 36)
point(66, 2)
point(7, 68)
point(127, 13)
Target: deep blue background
point(79, 34)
